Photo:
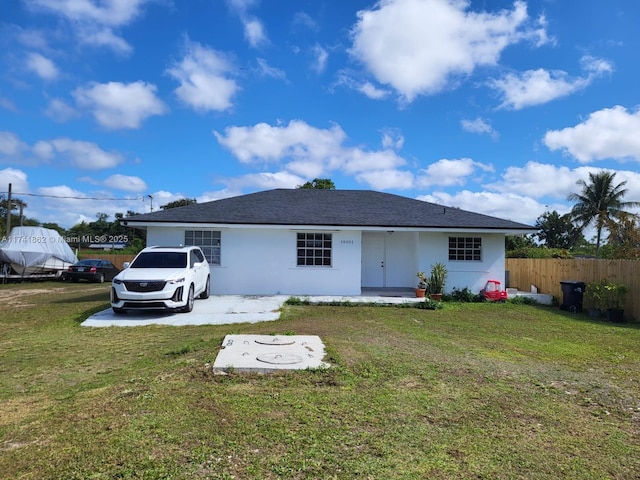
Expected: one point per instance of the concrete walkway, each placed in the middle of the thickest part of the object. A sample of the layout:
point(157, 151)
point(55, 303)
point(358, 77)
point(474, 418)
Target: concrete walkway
point(228, 309)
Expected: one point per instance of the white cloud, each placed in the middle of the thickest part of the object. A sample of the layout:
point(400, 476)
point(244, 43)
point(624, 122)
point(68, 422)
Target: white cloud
point(533, 180)
point(94, 21)
point(104, 37)
point(204, 80)
point(308, 152)
point(11, 145)
point(509, 206)
point(126, 182)
point(348, 79)
point(266, 181)
point(266, 70)
point(392, 138)
point(479, 125)
point(305, 20)
point(254, 31)
point(418, 46)
point(118, 105)
point(85, 155)
point(535, 87)
point(59, 111)
point(63, 151)
point(610, 133)
point(321, 57)
point(106, 12)
point(387, 179)
point(42, 66)
point(373, 92)
point(17, 179)
point(446, 172)
point(264, 143)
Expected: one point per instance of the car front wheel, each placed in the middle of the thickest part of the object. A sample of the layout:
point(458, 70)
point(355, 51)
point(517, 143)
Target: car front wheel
point(190, 299)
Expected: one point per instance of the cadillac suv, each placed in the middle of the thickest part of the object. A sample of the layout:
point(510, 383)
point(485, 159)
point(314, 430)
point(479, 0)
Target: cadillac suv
point(162, 278)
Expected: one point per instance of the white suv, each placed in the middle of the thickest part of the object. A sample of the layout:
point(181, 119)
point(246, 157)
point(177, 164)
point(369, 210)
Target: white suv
point(162, 278)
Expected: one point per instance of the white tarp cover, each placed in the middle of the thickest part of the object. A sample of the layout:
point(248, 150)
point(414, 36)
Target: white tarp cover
point(29, 249)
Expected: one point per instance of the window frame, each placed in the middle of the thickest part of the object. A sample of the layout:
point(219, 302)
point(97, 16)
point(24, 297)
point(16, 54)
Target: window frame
point(466, 249)
point(211, 248)
point(314, 249)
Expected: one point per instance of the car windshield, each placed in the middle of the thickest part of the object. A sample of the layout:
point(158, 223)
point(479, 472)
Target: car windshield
point(88, 262)
point(160, 260)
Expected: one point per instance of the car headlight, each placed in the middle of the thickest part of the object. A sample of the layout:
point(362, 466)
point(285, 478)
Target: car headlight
point(176, 281)
point(117, 281)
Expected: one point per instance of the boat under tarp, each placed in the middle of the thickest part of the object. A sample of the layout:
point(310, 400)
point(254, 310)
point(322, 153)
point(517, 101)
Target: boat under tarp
point(36, 250)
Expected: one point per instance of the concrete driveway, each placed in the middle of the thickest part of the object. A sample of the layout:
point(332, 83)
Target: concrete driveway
point(216, 310)
point(227, 309)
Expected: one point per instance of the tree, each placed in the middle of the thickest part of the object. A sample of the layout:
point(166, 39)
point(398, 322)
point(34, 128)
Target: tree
point(557, 231)
point(183, 202)
point(599, 202)
point(16, 220)
point(624, 237)
point(319, 184)
point(518, 242)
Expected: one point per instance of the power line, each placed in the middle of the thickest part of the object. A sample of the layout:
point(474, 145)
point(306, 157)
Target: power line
point(74, 197)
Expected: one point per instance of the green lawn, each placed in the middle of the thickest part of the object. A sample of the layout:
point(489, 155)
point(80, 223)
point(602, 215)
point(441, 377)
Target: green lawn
point(492, 391)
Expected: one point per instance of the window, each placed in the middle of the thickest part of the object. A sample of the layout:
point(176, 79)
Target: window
point(314, 249)
point(208, 241)
point(465, 248)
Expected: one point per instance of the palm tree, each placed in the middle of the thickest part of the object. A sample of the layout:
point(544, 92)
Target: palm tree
point(599, 202)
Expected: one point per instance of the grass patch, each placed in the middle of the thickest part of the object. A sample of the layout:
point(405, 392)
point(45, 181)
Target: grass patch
point(472, 390)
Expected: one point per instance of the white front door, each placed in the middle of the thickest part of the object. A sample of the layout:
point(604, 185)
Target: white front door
point(373, 260)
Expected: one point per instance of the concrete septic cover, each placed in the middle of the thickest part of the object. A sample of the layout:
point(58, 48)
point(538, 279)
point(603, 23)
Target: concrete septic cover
point(269, 353)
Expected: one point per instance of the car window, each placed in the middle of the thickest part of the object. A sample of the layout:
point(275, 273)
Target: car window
point(160, 260)
point(88, 261)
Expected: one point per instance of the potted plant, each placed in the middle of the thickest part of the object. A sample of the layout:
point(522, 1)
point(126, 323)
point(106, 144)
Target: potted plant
point(437, 280)
point(595, 297)
point(614, 299)
point(421, 289)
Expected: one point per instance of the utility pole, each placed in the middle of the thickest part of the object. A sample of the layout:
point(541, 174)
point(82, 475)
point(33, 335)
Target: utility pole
point(9, 211)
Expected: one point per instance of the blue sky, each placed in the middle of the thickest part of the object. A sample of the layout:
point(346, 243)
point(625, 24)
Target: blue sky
point(497, 107)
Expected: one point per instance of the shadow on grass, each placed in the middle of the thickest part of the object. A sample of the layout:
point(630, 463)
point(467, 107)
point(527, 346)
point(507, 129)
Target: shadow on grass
point(92, 297)
point(584, 317)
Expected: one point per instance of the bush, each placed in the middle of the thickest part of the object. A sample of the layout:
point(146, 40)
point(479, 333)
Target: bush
point(465, 295)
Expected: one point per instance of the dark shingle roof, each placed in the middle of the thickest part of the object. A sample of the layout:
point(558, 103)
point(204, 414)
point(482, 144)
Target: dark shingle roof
point(356, 208)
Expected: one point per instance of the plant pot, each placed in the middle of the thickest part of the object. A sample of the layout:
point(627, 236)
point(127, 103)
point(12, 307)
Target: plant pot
point(615, 315)
point(595, 312)
point(436, 296)
point(420, 292)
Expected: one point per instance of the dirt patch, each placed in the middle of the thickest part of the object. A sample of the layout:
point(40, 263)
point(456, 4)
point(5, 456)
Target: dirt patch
point(11, 294)
point(18, 297)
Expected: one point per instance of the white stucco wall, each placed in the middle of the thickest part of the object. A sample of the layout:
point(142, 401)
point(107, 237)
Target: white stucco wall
point(434, 247)
point(263, 262)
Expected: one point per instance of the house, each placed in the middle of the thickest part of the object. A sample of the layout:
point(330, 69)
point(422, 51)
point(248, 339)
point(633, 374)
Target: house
point(332, 242)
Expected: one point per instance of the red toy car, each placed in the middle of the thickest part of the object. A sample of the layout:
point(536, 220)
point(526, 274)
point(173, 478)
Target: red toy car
point(493, 292)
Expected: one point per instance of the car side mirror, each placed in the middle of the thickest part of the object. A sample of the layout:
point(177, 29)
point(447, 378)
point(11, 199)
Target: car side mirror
point(197, 264)
point(125, 265)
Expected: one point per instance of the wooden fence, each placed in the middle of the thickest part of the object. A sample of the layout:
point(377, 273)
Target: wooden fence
point(546, 275)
